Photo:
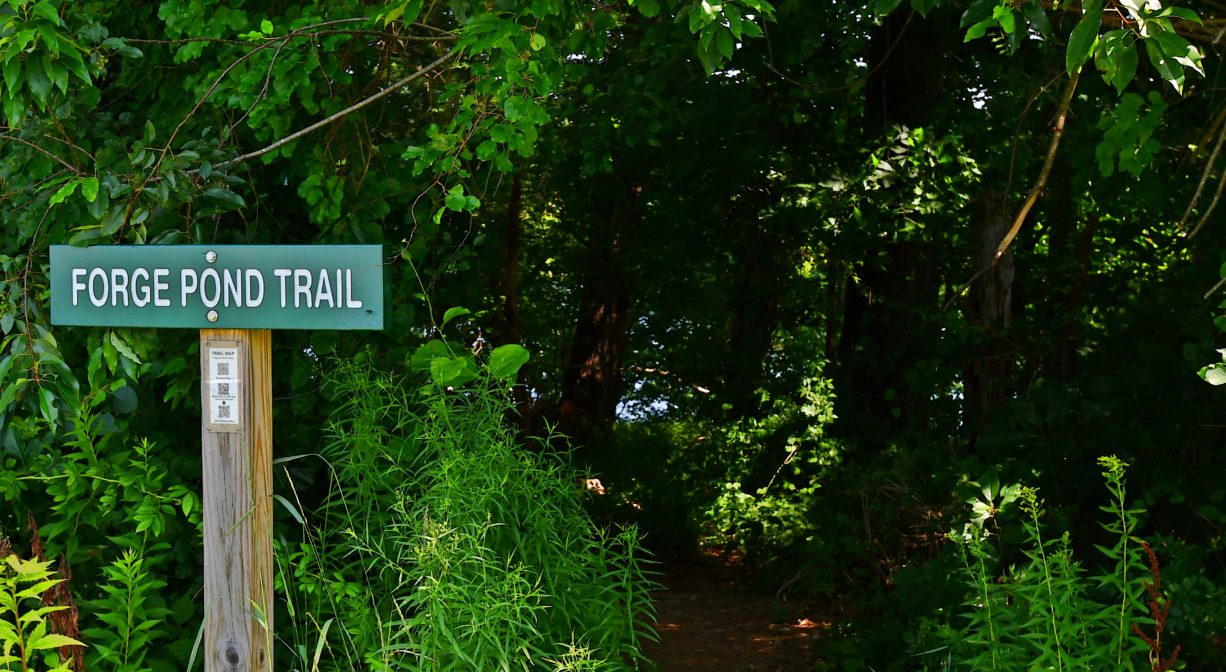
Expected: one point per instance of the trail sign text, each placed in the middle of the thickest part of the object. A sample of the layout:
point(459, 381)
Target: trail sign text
point(202, 286)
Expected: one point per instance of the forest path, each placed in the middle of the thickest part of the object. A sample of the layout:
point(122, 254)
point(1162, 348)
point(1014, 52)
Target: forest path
point(709, 621)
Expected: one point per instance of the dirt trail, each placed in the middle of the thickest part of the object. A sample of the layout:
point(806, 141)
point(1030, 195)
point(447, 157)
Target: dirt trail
point(708, 622)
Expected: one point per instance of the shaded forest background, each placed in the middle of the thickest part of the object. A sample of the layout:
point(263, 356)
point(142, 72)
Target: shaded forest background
point(752, 248)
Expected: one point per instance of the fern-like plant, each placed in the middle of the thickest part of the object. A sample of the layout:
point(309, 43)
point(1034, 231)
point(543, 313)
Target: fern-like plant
point(132, 617)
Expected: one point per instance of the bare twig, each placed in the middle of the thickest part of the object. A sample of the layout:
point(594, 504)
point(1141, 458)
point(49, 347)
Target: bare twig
point(1045, 172)
point(348, 110)
point(1204, 176)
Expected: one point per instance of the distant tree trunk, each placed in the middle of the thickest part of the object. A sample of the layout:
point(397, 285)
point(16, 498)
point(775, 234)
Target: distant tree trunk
point(510, 283)
point(896, 284)
point(510, 290)
point(751, 322)
point(991, 309)
point(592, 385)
point(1070, 331)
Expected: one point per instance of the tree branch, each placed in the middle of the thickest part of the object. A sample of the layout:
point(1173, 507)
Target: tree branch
point(73, 169)
point(401, 83)
point(1204, 176)
point(1041, 182)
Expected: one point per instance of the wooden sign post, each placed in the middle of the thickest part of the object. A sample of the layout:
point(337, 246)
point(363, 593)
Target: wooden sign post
point(234, 295)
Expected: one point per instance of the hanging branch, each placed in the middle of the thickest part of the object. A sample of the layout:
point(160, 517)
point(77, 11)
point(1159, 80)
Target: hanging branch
point(1041, 182)
point(399, 84)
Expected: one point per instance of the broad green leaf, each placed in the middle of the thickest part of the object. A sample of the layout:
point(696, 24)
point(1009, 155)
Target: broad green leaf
point(266, 27)
point(1081, 42)
point(506, 360)
point(537, 42)
point(423, 356)
point(455, 199)
point(89, 188)
point(453, 372)
point(454, 312)
point(648, 8)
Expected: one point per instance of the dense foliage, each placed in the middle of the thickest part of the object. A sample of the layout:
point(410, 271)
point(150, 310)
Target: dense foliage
point(795, 275)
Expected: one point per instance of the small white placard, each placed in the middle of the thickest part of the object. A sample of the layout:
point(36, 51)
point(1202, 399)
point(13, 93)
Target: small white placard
point(224, 403)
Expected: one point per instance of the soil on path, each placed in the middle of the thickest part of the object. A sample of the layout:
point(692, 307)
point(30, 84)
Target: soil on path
point(709, 621)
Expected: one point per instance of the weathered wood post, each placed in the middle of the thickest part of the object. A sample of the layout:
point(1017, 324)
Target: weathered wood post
point(236, 457)
point(233, 294)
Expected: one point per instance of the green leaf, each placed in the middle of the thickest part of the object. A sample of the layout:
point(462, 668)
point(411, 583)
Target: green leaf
point(1179, 12)
point(293, 511)
point(54, 641)
point(454, 312)
point(1167, 68)
point(886, 6)
point(1214, 374)
point(723, 42)
point(1081, 42)
point(537, 42)
point(423, 356)
point(89, 188)
point(266, 27)
point(64, 192)
point(455, 199)
point(506, 360)
point(1037, 16)
point(123, 348)
point(453, 372)
point(228, 198)
point(648, 8)
point(46, 404)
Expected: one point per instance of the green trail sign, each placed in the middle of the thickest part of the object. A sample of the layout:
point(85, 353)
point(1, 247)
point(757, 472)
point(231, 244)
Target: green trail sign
point(218, 286)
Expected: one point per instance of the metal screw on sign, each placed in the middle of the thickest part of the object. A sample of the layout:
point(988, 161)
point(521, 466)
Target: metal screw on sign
point(212, 316)
point(210, 256)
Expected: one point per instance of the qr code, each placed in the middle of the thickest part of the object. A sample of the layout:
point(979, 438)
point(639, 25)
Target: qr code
point(223, 389)
point(223, 368)
point(223, 412)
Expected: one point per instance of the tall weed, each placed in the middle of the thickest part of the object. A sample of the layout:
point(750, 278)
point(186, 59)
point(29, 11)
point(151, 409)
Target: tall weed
point(1048, 612)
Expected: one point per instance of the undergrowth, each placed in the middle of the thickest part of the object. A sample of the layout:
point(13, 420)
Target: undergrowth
point(443, 545)
point(1048, 611)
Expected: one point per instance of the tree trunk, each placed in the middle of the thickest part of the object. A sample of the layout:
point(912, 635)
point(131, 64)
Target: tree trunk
point(991, 309)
